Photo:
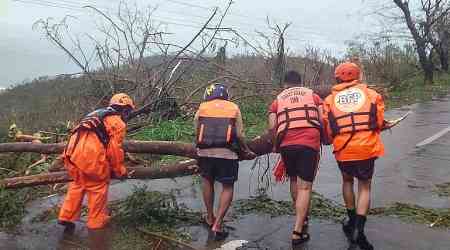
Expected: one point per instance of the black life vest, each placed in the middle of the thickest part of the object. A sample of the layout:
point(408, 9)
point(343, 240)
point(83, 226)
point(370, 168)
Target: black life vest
point(94, 122)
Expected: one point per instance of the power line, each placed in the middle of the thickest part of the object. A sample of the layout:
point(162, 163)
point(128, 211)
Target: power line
point(164, 20)
point(44, 4)
point(175, 21)
point(237, 14)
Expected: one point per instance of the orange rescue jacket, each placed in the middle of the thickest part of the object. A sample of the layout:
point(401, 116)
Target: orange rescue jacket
point(296, 109)
point(353, 116)
point(217, 124)
point(89, 156)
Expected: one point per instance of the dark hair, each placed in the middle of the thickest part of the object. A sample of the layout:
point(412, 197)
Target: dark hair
point(292, 77)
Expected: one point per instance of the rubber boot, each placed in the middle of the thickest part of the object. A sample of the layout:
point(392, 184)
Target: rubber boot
point(69, 227)
point(358, 236)
point(349, 226)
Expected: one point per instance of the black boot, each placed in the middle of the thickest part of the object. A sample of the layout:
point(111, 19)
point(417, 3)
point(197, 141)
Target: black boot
point(69, 227)
point(349, 226)
point(358, 236)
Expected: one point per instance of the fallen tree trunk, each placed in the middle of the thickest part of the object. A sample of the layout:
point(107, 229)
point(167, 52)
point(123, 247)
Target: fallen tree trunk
point(260, 145)
point(179, 169)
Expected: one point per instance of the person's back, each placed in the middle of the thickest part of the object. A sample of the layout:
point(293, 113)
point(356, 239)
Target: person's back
point(354, 117)
point(86, 153)
point(93, 152)
point(364, 142)
point(300, 126)
point(295, 120)
point(219, 125)
point(220, 136)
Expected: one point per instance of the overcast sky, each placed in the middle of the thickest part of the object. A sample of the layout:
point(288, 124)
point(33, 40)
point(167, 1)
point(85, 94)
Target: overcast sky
point(25, 54)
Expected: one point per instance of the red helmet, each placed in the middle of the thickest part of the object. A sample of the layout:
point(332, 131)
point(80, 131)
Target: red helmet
point(122, 99)
point(347, 72)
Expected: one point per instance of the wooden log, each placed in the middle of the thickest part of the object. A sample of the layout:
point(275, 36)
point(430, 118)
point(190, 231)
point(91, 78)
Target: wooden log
point(260, 145)
point(179, 169)
point(43, 148)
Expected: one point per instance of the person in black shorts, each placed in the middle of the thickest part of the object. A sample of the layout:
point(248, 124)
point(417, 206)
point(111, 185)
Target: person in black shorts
point(295, 120)
point(220, 135)
point(353, 121)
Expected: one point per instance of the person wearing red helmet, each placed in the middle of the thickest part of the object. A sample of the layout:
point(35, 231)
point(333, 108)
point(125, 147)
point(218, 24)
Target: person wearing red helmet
point(94, 152)
point(353, 119)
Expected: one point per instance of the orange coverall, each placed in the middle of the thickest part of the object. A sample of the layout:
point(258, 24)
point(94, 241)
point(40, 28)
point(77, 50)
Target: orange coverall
point(364, 144)
point(90, 166)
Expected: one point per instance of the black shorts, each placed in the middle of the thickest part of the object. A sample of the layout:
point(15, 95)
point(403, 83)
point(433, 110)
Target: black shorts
point(301, 161)
point(362, 170)
point(224, 171)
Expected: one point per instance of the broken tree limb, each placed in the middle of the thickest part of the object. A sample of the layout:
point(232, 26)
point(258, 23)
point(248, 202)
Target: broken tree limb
point(260, 145)
point(30, 147)
point(179, 169)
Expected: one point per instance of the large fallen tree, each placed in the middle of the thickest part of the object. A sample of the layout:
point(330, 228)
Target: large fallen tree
point(183, 168)
point(260, 145)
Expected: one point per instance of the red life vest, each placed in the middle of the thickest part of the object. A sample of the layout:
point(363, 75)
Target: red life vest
point(353, 109)
point(217, 124)
point(296, 109)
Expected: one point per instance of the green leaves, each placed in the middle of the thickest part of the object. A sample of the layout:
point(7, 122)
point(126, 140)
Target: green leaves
point(12, 207)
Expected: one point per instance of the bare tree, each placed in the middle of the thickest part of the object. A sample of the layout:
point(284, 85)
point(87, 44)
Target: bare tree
point(422, 28)
point(131, 53)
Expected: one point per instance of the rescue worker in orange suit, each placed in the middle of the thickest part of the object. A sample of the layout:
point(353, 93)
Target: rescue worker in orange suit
point(295, 120)
point(220, 135)
point(94, 153)
point(353, 118)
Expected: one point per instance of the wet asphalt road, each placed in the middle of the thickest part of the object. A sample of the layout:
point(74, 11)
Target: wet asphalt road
point(406, 174)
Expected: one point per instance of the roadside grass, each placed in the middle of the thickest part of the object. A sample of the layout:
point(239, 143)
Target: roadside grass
point(321, 207)
point(442, 190)
point(12, 208)
point(326, 209)
point(432, 217)
point(413, 90)
point(154, 212)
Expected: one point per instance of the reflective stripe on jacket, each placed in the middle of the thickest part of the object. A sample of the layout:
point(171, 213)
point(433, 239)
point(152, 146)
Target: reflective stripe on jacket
point(217, 124)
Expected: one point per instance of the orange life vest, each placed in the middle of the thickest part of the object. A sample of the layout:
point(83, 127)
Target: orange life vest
point(352, 109)
point(296, 109)
point(217, 124)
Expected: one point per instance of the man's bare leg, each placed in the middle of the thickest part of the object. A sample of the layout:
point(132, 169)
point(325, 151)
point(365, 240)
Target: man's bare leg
point(304, 189)
point(364, 187)
point(293, 188)
point(226, 197)
point(208, 199)
point(347, 191)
